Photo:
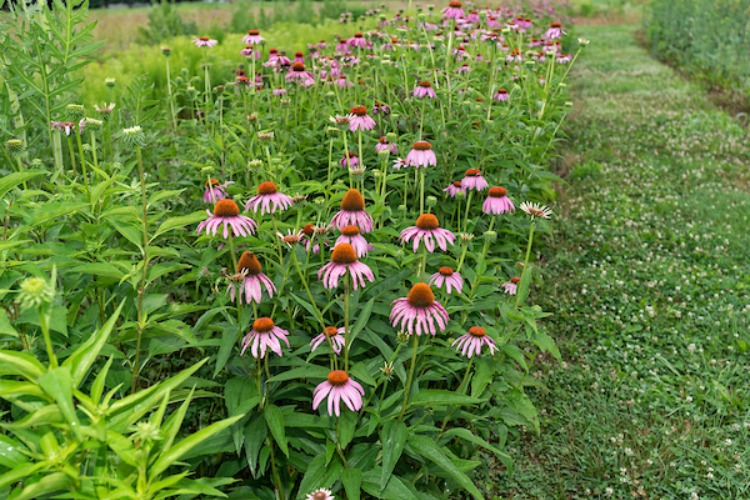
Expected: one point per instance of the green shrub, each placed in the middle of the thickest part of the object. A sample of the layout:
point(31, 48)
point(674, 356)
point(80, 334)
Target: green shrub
point(164, 22)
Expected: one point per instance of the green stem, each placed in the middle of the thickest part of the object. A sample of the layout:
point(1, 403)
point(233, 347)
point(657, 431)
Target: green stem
point(415, 347)
point(347, 338)
point(44, 324)
point(144, 275)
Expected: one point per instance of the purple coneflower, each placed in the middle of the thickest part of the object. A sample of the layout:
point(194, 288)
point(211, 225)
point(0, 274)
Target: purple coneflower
point(264, 335)
point(554, 31)
point(428, 228)
point(215, 191)
point(421, 155)
point(424, 89)
point(342, 82)
point(419, 312)
point(253, 38)
point(321, 494)
point(299, 57)
point(501, 95)
point(379, 107)
point(384, 145)
point(291, 237)
point(353, 213)
point(268, 199)
point(342, 47)
point(473, 180)
point(204, 41)
point(66, 126)
point(497, 201)
point(536, 210)
point(449, 278)
point(298, 74)
point(359, 40)
point(339, 386)
point(249, 51)
point(464, 68)
point(511, 286)
point(399, 163)
point(453, 11)
point(350, 234)
point(360, 120)
point(279, 91)
point(331, 332)
point(350, 160)
point(343, 259)
point(454, 188)
point(250, 273)
point(228, 213)
point(471, 343)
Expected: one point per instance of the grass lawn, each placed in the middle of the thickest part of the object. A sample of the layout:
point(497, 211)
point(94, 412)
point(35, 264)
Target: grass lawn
point(649, 274)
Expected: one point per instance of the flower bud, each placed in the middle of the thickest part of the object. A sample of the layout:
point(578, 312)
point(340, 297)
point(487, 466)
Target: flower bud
point(35, 292)
point(110, 82)
point(431, 201)
point(75, 112)
point(14, 146)
point(490, 236)
point(134, 136)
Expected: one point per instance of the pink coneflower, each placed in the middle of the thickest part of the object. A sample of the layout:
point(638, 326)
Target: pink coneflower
point(321, 494)
point(66, 126)
point(331, 332)
point(279, 91)
point(250, 273)
point(342, 47)
point(228, 213)
point(471, 343)
point(419, 312)
point(343, 259)
point(249, 51)
point(398, 164)
point(204, 41)
point(264, 335)
point(353, 213)
point(501, 95)
point(342, 82)
point(536, 210)
point(215, 191)
point(308, 232)
point(449, 278)
point(359, 40)
point(253, 38)
point(349, 160)
point(350, 234)
point(427, 228)
point(454, 188)
point(460, 51)
point(464, 68)
point(360, 120)
point(291, 237)
point(299, 57)
point(554, 31)
point(298, 74)
point(268, 199)
point(339, 386)
point(564, 58)
point(473, 180)
point(384, 145)
point(379, 107)
point(421, 155)
point(497, 201)
point(424, 89)
point(453, 11)
point(511, 286)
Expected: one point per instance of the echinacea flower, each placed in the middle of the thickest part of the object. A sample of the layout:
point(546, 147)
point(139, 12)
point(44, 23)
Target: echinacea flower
point(536, 210)
point(424, 89)
point(264, 335)
point(215, 190)
point(253, 37)
point(381, 108)
point(360, 120)
point(501, 95)
point(204, 41)
point(337, 387)
point(453, 11)
point(419, 312)
point(554, 31)
point(321, 494)
point(359, 40)
point(473, 180)
point(497, 201)
point(350, 234)
point(349, 160)
point(384, 145)
point(249, 51)
point(228, 213)
point(353, 213)
point(471, 343)
point(342, 82)
point(66, 126)
point(449, 278)
point(421, 155)
point(511, 286)
point(268, 199)
point(250, 273)
point(336, 335)
point(299, 74)
point(454, 188)
point(344, 259)
point(428, 228)
point(291, 237)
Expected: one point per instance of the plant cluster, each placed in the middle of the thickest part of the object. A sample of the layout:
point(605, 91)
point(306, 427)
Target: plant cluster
point(333, 249)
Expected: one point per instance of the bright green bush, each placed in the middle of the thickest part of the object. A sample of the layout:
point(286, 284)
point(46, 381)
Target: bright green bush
point(708, 37)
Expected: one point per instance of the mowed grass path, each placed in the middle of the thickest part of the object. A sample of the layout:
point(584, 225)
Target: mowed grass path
point(649, 276)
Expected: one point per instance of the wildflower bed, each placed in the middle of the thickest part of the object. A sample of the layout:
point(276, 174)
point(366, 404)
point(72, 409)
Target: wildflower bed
point(238, 287)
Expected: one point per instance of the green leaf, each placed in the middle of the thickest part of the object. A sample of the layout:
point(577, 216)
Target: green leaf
point(58, 481)
point(320, 476)
point(427, 448)
point(437, 397)
point(58, 384)
point(302, 372)
point(394, 489)
point(275, 421)
point(393, 437)
point(10, 452)
point(173, 223)
point(362, 319)
point(352, 481)
point(81, 360)
point(546, 344)
point(6, 328)
point(10, 181)
point(22, 364)
point(482, 376)
point(173, 454)
point(466, 435)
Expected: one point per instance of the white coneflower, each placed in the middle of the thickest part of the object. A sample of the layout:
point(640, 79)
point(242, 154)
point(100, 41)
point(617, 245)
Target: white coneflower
point(536, 210)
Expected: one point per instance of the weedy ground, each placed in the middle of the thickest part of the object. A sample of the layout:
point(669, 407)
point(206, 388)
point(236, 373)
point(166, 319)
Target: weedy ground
point(650, 276)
